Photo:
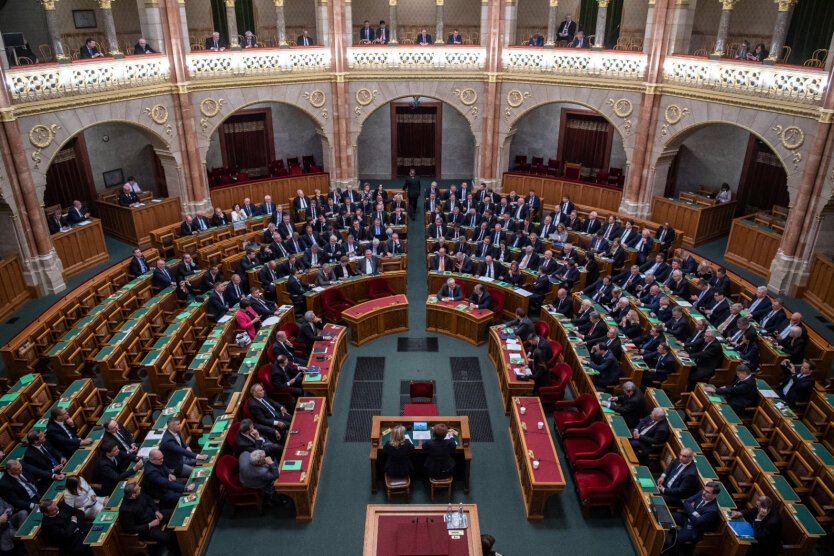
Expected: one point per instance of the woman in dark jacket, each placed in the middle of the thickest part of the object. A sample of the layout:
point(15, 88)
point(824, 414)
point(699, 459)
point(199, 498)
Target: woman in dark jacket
point(398, 450)
point(439, 461)
point(541, 374)
point(630, 325)
point(748, 352)
point(514, 276)
point(617, 253)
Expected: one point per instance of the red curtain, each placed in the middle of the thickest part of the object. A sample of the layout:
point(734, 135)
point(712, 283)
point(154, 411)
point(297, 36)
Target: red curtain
point(766, 181)
point(586, 142)
point(416, 140)
point(67, 180)
point(246, 145)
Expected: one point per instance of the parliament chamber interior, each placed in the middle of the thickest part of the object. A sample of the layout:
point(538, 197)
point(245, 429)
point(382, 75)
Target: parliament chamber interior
point(615, 217)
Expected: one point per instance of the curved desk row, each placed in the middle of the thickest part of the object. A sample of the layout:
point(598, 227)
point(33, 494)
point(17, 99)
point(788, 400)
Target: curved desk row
point(328, 356)
point(513, 297)
point(457, 319)
point(354, 288)
point(376, 318)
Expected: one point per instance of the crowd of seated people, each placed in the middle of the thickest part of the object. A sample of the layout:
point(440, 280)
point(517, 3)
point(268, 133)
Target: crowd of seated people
point(745, 52)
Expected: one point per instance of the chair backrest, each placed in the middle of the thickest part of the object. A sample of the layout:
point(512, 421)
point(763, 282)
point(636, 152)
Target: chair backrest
point(231, 435)
point(290, 329)
point(497, 301)
point(265, 376)
point(227, 467)
point(560, 374)
point(542, 328)
point(601, 433)
point(331, 295)
point(246, 409)
point(378, 284)
point(588, 405)
point(616, 467)
point(421, 389)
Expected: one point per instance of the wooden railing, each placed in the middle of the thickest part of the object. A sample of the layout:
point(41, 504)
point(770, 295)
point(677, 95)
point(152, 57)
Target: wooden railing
point(752, 246)
point(551, 190)
point(13, 289)
point(281, 189)
point(820, 289)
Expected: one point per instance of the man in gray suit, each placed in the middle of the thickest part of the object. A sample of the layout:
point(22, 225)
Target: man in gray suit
point(368, 264)
point(258, 471)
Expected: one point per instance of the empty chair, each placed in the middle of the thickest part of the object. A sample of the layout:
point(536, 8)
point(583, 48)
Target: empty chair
point(497, 303)
point(572, 171)
point(293, 162)
point(307, 162)
point(295, 170)
point(236, 494)
point(598, 481)
point(334, 302)
point(537, 165)
point(602, 177)
point(575, 413)
point(379, 287)
point(589, 442)
point(542, 328)
point(230, 438)
point(556, 348)
point(420, 399)
point(560, 376)
point(554, 167)
point(276, 168)
point(520, 164)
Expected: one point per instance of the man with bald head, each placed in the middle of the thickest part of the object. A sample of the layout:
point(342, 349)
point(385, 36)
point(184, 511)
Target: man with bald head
point(19, 487)
point(680, 479)
point(160, 483)
point(650, 434)
point(127, 198)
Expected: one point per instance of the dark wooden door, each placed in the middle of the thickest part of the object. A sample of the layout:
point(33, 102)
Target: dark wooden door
point(416, 138)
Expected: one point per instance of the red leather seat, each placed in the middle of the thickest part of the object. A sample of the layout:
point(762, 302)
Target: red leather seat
point(334, 302)
point(520, 164)
point(314, 169)
point(307, 162)
point(590, 442)
point(497, 303)
point(295, 170)
point(598, 480)
point(537, 165)
point(276, 168)
point(571, 173)
point(283, 396)
point(556, 348)
point(542, 328)
point(242, 176)
point(575, 413)
point(602, 177)
point(421, 396)
point(560, 376)
point(379, 287)
point(236, 494)
point(554, 167)
point(230, 438)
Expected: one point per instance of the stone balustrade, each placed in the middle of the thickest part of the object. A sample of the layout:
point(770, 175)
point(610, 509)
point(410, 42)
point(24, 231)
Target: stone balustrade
point(257, 62)
point(411, 58)
point(607, 64)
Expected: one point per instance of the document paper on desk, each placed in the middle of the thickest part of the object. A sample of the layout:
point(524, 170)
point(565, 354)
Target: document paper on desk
point(224, 318)
point(421, 435)
point(769, 393)
point(270, 321)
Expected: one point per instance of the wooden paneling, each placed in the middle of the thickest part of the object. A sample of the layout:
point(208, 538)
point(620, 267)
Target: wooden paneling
point(551, 190)
point(281, 189)
point(133, 224)
point(820, 289)
point(81, 248)
point(751, 246)
point(13, 290)
point(700, 224)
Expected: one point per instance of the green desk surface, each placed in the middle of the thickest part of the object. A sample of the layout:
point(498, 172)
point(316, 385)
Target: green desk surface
point(31, 524)
point(161, 342)
point(807, 520)
point(128, 325)
point(729, 414)
point(829, 399)
point(619, 426)
point(688, 441)
point(220, 427)
point(705, 470)
point(764, 462)
point(802, 430)
point(71, 333)
point(200, 360)
point(77, 460)
point(118, 495)
point(81, 323)
point(7, 399)
point(56, 349)
point(152, 356)
point(104, 353)
point(724, 499)
point(824, 455)
point(16, 453)
point(142, 311)
point(746, 438)
point(661, 398)
point(783, 488)
point(54, 489)
point(117, 338)
point(641, 472)
point(75, 387)
point(674, 419)
point(21, 384)
point(171, 330)
point(96, 310)
point(177, 397)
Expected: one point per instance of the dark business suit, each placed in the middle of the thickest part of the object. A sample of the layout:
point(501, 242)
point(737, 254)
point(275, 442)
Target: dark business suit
point(175, 452)
point(399, 464)
point(109, 472)
point(608, 367)
point(266, 412)
point(632, 408)
point(68, 536)
point(741, 394)
point(482, 302)
point(64, 439)
point(40, 461)
point(707, 360)
point(383, 35)
point(137, 266)
point(455, 294)
point(767, 532)
point(305, 41)
point(216, 307)
point(16, 494)
point(219, 43)
point(439, 461)
point(367, 34)
point(683, 479)
point(135, 515)
point(566, 28)
point(87, 52)
point(691, 528)
point(657, 434)
point(796, 389)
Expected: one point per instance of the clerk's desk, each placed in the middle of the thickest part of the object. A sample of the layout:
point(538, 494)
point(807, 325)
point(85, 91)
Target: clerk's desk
point(419, 526)
point(514, 298)
point(81, 247)
point(381, 431)
point(375, 318)
point(505, 367)
point(134, 224)
point(457, 319)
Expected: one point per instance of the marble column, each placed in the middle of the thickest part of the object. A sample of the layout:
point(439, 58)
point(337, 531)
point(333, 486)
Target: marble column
point(780, 30)
point(344, 171)
point(322, 26)
point(347, 32)
point(510, 20)
point(829, 61)
point(281, 24)
point(484, 22)
point(231, 25)
point(438, 22)
point(151, 24)
point(110, 29)
point(683, 19)
point(723, 28)
point(550, 40)
point(602, 18)
point(53, 29)
point(4, 60)
point(392, 22)
point(486, 170)
point(184, 35)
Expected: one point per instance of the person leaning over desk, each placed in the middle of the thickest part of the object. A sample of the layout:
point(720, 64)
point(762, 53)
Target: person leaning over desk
point(439, 449)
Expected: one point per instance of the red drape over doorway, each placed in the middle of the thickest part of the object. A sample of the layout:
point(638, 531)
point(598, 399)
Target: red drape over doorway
point(416, 138)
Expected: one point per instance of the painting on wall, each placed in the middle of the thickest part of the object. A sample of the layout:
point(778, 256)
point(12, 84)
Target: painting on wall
point(113, 177)
point(84, 19)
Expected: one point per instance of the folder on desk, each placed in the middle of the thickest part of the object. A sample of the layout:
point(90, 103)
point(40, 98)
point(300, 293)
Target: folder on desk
point(291, 465)
point(741, 528)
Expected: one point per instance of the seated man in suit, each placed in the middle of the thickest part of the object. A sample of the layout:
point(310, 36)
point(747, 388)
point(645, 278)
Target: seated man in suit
point(366, 33)
point(567, 29)
point(798, 384)
point(217, 305)
point(760, 305)
point(603, 361)
point(562, 304)
point(680, 479)
point(536, 40)
point(142, 47)
point(450, 291)
point(189, 227)
point(650, 434)
point(480, 298)
point(657, 267)
point(424, 39)
point(64, 528)
point(111, 469)
point(76, 213)
point(662, 364)
point(719, 311)
point(610, 339)
point(455, 38)
point(117, 433)
point(580, 41)
point(643, 246)
point(127, 198)
point(665, 235)
point(308, 333)
point(521, 325)
point(540, 288)
point(285, 375)
point(369, 264)
point(721, 282)
point(266, 412)
point(162, 277)
point(178, 455)
point(677, 326)
point(742, 393)
point(215, 43)
point(138, 265)
point(440, 262)
point(62, 433)
point(56, 223)
point(139, 515)
point(19, 486)
point(463, 264)
point(210, 278)
point(186, 268)
point(42, 461)
point(234, 291)
point(700, 514)
point(304, 39)
point(383, 34)
point(220, 218)
point(249, 438)
point(631, 404)
point(258, 472)
point(90, 50)
point(707, 359)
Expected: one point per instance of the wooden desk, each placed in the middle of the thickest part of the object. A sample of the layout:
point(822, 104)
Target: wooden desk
point(25, 402)
point(553, 189)
point(355, 288)
point(531, 444)
point(302, 485)
point(752, 246)
point(13, 289)
point(381, 430)
point(375, 318)
point(134, 224)
point(383, 534)
point(225, 196)
point(700, 224)
point(457, 319)
point(511, 387)
point(820, 289)
point(512, 298)
point(81, 247)
point(329, 364)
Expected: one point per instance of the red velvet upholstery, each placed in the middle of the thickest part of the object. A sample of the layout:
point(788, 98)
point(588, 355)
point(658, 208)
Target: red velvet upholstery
point(421, 389)
point(590, 442)
point(572, 173)
point(225, 180)
point(602, 176)
point(334, 302)
point(554, 167)
point(246, 410)
point(420, 410)
point(560, 376)
point(379, 287)
point(293, 162)
point(283, 396)
point(291, 330)
point(497, 302)
point(575, 413)
point(542, 328)
point(314, 168)
point(230, 438)
point(521, 164)
point(242, 176)
point(307, 162)
point(537, 165)
point(295, 170)
point(598, 480)
point(556, 348)
point(236, 494)
point(276, 168)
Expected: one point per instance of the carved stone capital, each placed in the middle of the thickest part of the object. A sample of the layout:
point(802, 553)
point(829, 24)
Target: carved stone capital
point(603, 3)
point(48, 4)
point(104, 4)
point(785, 5)
point(728, 4)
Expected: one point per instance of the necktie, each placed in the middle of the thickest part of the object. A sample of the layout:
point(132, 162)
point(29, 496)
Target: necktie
point(489, 271)
point(45, 452)
point(168, 276)
point(724, 324)
point(269, 407)
point(662, 235)
point(440, 266)
point(671, 480)
point(237, 290)
point(30, 488)
point(784, 333)
point(768, 317)
point(754, 304)
point(648, 427)
point(142, 266)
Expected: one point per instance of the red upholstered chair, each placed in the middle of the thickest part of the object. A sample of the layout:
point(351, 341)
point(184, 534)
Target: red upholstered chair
point(293, 162)
point(314, 168)
point(246, 408)
point(307, 162)
point(283, 396)
point(276, 168)
point(230, 438)
point(225, 180)
point(334, 302)
point(497, 303)
point(572, 171)
point(291, 330)
point(542, 328)
point(520, 164)
point(242, 176)
point(614, 174)
point(295, 170)
point(537, 165)
point(560, 376)
point(236, 494)
point(602, 177)
point(598, 481)
point(590, 442)
point(420, 398)
point(575, 413)
point(556, 348)
point(554, 167)
point(379, 287)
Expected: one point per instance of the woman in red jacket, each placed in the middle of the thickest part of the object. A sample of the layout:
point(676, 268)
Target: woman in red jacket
point(247, 319)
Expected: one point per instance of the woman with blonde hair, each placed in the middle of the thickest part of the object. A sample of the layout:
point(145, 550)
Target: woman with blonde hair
point(398, 450)
point(704, 270)
point(560, 235)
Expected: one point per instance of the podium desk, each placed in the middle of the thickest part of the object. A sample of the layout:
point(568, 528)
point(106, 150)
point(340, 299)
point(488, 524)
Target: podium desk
point(301, 462)
point(370, 320)
point(81, 247)
point(699, 223)
point(530, 444)
point(513, 297)
point(457, 319)
point(391, 530)
point(355, 288)
point(381, 431)
point(329, 363)
point(133, 225)
point(511, 386)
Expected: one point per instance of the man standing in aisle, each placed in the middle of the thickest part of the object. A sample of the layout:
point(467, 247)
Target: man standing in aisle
point(412, 187)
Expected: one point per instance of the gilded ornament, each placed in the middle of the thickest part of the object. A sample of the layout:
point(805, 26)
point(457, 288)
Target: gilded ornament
point(622, 107)
point(515, 98)
point(42, 136)
point(785, 5)
point(467, 97)
point(792, 137)
point(674, 114)
point(210, 107)
point(728, 4)
point(317, 98)
point(48, 4)
point(104, 4)
point(365, 96)
point(159, 114)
